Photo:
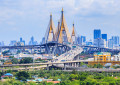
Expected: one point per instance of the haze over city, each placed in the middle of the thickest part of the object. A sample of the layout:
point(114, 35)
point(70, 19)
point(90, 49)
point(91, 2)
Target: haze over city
point(18, 18)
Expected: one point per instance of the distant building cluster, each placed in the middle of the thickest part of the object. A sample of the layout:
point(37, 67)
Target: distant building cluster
point(32, 42)
point(2, 43)
point(100, 40)
point(62, 35)
point(21, 42)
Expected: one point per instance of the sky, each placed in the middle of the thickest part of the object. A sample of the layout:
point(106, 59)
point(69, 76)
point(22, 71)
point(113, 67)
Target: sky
point(26, 18)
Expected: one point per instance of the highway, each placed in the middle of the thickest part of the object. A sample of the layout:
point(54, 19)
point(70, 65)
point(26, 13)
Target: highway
point(82, 69)
point(69, 56)
point(50, 63)
point(25, 68)
point(69, 68)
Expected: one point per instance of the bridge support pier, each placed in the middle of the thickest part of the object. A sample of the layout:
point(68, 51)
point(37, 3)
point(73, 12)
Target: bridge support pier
point(70, 64)
point(47, 66)
point(75, 64)
point(64, 66)
point(25, 68)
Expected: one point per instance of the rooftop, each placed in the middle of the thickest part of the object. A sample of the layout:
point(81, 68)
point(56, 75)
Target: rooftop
point(102, 53)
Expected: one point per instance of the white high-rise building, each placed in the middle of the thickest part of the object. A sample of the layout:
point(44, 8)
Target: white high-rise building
point(99, 42)
point(110, 43)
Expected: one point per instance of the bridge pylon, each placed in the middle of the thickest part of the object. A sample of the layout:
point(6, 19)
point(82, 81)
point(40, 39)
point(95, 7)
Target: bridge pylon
point(57, 31)
point(73, 35)
point(50, 33)
point(63, 35)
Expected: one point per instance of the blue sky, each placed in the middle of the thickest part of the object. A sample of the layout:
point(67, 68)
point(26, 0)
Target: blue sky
point(26, 18)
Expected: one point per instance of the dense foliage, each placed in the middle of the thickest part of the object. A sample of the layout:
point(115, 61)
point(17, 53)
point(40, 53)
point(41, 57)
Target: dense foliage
point(67, 78)
point(26, 60)
point(14, 61)
point(22, 75)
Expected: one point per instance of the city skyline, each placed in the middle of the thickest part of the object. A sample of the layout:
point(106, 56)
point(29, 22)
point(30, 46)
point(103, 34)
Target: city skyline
point(22, 19)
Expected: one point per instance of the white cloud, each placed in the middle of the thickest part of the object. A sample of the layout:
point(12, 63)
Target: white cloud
point(37, 11)
point(10, 8)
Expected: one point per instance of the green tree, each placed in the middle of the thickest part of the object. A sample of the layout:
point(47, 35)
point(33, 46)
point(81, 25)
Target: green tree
point(11, 57)
point(9, 71)
point(1, 73)
point(22, 75)
point(98, 65)
point(14, 61)
point(73, 76)
point(81, 64)
point(112, 83)
point(74, 72)
point(26, 60)
point(98, 76)
point(41, 73)
point(82, 77)
point(75, 82)
point(32, 83)
point(82, 83)
point(118, 82)
point(104, 83)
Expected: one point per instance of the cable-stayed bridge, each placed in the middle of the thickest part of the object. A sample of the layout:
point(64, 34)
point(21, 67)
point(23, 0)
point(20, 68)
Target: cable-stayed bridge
point(60, 41)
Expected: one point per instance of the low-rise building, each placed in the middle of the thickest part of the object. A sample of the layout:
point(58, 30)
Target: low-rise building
point(102, 56)
point(22, 55)
point(117, 57)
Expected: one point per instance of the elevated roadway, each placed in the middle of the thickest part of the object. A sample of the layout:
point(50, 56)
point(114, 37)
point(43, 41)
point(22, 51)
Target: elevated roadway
point(50, 63)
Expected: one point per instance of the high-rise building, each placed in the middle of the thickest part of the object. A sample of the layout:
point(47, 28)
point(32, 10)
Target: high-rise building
point(110, 43)
point(22, 41)
point(115, 40)
point(99, 42)
point(32, 42)
point(2, 43)
point(81, 40)
point(12, 43)
point(104, 36)
point(89, 43)
point(97, 33)
point(43, 40)
point(78, 40)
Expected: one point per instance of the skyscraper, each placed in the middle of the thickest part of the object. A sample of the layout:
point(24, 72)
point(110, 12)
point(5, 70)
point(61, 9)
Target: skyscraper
point(12, 43)
point(83, 39)
point(89, 43)
point(115, 40)
point(43, 40)
point(2, 43)
point(104, 36)
point(32, 42)
point(99, 42)
point(22, 41)
point(97, 33)
point(78, 40)
point(110, 43)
